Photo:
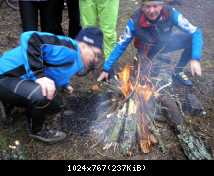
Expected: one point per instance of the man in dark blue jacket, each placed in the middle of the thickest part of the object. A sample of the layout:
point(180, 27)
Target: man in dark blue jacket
point(31, 73)
point(151, 29)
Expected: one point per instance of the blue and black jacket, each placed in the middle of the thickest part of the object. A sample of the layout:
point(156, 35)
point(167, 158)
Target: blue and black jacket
point(43, 54)
point(146, 33)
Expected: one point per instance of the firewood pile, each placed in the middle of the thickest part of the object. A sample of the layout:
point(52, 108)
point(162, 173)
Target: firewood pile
point(126, 122)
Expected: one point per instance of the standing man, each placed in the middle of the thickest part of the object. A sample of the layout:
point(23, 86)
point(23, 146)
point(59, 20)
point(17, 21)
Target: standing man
point(151, 28)
point(31, 11)
point(31, 74)
point(55, 10)
point(102, 13)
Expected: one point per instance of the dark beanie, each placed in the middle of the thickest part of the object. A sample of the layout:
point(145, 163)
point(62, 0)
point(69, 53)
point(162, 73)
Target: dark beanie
point(92, 36)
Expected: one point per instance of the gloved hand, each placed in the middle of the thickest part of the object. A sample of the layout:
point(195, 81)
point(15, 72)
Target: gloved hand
point(103, 76)
point(195, 67)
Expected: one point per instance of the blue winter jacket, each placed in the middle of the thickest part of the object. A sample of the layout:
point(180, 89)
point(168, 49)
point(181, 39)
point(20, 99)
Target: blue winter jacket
point(43, 54)
point(139, 28)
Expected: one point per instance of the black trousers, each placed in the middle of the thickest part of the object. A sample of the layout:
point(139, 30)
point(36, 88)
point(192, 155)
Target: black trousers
point(56, 11)
point(30, 12)
point(28, 94)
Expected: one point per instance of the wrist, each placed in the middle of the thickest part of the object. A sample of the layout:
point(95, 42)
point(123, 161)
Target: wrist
point(194, 61)
point(106, 71)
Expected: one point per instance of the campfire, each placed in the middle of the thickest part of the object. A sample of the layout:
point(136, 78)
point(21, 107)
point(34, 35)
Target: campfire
point(143, 93)
point(126, 123)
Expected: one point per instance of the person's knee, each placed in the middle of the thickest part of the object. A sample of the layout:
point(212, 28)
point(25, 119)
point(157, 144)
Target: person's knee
point(187, 41)
point(40, 102)
point(37, 99)
point(188, 45)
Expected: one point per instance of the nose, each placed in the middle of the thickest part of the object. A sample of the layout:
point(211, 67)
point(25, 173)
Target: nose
point(152, 9)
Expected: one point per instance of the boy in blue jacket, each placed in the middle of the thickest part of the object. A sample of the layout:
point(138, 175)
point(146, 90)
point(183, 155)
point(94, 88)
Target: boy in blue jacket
point(151, 29)
point(31, 73)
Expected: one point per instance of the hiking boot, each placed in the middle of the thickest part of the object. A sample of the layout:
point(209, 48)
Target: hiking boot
point(49, 136)
point(182, 79)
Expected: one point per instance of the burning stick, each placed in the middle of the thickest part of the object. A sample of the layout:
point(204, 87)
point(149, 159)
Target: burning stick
point(113, 134)
point(128, 140)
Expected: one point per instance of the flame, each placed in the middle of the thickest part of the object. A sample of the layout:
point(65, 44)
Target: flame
point(146, 144)
point(146, 91)
point(147, 140)
point(124, 76)
point(126, 87)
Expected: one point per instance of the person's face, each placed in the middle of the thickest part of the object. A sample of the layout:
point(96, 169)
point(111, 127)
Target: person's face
point(152, 11)
point(90, 55)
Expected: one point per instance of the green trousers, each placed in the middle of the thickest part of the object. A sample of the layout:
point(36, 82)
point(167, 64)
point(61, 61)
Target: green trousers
point(102, 13)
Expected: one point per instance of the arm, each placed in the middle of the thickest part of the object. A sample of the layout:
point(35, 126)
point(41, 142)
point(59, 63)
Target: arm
point(38, 46)
point(197, 38)
point(59, 70)
point(41, 49)
point(121, 46)
point(63, 63)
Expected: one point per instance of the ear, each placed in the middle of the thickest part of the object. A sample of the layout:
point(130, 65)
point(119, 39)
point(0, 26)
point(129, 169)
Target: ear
point(82, 44)
point(83, 48)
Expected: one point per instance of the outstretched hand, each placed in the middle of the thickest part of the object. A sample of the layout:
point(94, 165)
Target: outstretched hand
point(48, 87)
point(103, 76)
point(195, 67)
point(69, 89)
